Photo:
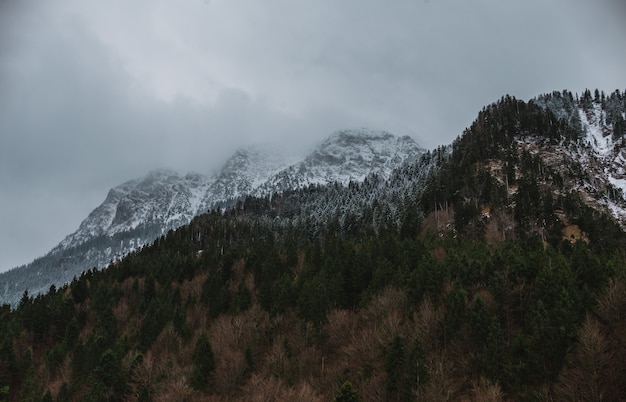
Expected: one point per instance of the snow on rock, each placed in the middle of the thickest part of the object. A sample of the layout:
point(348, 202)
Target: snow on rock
point(345, 156)
point(599, 153)
point(166, 200)
point(139, 210)
point(596, 137)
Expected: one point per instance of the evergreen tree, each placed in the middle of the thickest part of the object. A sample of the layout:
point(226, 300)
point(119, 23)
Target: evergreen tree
point(347, 393)
point(203, 363)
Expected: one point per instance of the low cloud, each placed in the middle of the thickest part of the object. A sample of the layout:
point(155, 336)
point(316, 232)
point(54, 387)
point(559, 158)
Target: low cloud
point(93, 94)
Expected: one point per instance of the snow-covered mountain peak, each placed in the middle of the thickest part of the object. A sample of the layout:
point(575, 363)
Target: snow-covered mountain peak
point(345, 156)
point(139, 210)
point(364, 149)
point(163, 198)
point(366, 140)
point(254, 158)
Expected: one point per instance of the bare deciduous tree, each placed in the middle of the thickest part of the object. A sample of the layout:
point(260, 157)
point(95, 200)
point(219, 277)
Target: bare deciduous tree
point(588, 367)
point(485, 391)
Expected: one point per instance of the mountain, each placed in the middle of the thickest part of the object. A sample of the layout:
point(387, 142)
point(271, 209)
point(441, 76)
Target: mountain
point(161, 198)
point(489, 269)
point(346, 156)
point(594, 164)
point(138, 211)
point(536, 167)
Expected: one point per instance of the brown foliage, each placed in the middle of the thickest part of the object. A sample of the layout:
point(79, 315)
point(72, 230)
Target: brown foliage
point(308, 363)
point(485, 391)
point(302, 391)
point(439, 222)
point(340, 327)
point(500, 227)
point(230, 367)
point(192, 288)
point(167, 344)
point(443, 384)
point(596, 368)
point(144, 373)
point(356, 341)
point(63, 375)
point(230, 336)
point(267, 389)
point(239, 331)
point(428, 324)
point(588, 367)
point(612, 304)
point(127, 286)
point(121, 312)
point(439, 254)
point(385, 314)
point(261, 389)
point(374, 388)
point(276, 360)
point(487, 298)
point(174, 389)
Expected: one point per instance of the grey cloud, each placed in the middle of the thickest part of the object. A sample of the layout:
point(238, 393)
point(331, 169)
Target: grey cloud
point(92, 94)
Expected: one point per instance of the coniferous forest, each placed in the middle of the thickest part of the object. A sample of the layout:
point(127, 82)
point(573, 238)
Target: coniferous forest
point(450, 287)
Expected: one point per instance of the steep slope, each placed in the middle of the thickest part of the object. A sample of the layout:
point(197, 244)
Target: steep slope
point(336, 289)
point(330, 290)
point(244, 172)
point(538, 167)
point(132, 215)
point(136, 212)
point(162, 198)
point(595, 164)
point(530, 163)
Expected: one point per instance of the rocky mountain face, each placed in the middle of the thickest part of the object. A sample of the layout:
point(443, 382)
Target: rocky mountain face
point(518, 169)
point(594, 163)
point(344, 157)
point(494, 263)
point(161, 198)
point(535, 168)
point(137, 211)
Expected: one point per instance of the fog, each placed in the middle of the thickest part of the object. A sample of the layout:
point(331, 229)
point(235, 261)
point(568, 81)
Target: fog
point(95, 93)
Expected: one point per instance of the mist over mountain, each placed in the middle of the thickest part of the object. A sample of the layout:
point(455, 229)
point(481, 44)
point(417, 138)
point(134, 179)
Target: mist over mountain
point(488, 269)
point(139, 210)
point(584, 147)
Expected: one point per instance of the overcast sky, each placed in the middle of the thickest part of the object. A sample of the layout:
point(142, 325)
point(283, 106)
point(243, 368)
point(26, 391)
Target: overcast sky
point(93, 93)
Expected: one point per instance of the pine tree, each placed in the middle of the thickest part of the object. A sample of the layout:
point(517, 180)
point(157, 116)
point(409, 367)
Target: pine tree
point(347, 393)
point(203, 363)
point(394, 366)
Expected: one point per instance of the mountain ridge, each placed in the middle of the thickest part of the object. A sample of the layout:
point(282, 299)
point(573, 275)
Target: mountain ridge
point(555, 141)
point(521, 159)
point(600, 149)
point(139, 210)
point(485, 270)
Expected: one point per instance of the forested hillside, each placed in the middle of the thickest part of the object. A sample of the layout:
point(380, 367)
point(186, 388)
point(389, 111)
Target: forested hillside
point(477, 273)
point(138, 211)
